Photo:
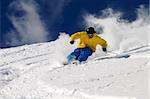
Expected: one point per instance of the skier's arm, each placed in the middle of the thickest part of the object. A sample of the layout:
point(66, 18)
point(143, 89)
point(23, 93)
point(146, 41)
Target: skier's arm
point(102, 43)
point(75, 36)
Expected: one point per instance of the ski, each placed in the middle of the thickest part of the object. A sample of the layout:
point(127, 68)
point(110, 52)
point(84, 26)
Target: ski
point(116, 56)
point(71, 63)
point(113, 56)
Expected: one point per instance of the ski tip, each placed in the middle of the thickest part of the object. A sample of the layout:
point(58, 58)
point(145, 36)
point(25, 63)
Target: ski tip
point(126, 56)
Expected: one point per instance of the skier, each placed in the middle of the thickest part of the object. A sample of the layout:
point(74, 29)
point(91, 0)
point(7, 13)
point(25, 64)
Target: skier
point(88, 42)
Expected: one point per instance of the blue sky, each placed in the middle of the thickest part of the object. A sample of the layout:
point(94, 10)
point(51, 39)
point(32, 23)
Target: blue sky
point(63, 15)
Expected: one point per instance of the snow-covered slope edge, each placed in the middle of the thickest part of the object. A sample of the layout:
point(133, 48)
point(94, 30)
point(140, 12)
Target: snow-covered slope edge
point(34, 72)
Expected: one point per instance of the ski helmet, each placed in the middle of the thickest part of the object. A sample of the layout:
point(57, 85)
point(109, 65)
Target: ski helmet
point(90, 30)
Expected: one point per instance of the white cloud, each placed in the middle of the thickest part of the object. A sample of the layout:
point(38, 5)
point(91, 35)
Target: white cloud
point(119, 33)
point(28, 27)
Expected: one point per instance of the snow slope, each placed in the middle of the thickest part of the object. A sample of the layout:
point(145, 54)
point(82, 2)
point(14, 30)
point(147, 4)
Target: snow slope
point(35, 72)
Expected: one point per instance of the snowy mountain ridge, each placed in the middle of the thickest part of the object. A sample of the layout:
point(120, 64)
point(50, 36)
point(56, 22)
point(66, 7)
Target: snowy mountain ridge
point(35, 72)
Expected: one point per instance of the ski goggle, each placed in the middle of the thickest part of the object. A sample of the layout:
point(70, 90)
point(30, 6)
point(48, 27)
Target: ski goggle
point(90, 35)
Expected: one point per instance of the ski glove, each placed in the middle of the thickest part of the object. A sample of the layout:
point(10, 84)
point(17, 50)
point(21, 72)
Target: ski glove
point(71, 42)
point(104, 49)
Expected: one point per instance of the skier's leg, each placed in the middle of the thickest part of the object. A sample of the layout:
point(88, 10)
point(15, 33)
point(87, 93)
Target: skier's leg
point(74, 55)
point(84, 54)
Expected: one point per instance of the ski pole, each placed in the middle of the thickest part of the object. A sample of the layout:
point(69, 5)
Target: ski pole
point(112, 52)
point(123, 54)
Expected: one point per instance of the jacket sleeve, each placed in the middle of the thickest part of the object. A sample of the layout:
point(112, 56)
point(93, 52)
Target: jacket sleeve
point(102, 42)
point(75, 36)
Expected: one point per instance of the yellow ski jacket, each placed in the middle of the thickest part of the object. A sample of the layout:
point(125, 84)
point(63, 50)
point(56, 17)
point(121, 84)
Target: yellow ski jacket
point(85, 41)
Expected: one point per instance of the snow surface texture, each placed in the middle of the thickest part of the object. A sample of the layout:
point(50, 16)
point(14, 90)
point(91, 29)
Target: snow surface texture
point(35, 72)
